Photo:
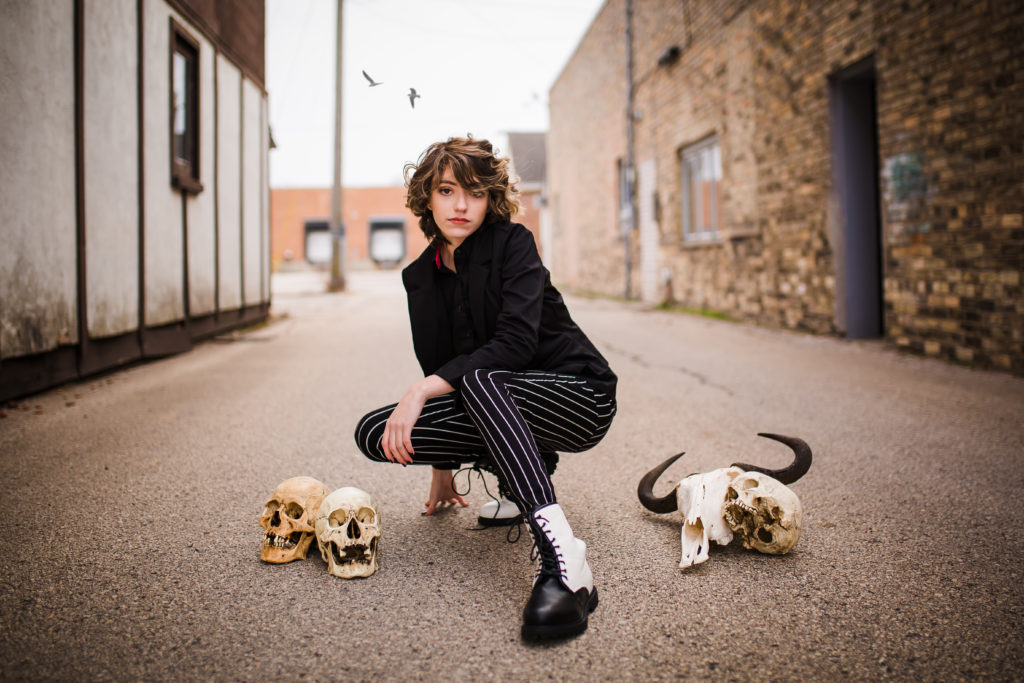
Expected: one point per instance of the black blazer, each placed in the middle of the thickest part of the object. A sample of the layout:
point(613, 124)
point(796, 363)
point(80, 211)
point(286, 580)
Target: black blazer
point(514, 308)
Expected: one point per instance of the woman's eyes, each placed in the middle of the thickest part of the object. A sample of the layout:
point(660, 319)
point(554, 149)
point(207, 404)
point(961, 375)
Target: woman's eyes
point(476, 194)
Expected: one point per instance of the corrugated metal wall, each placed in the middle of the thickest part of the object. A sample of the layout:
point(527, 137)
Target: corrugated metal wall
point(103, 260)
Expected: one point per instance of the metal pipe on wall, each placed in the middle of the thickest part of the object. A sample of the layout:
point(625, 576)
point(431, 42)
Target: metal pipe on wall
point(630, 170)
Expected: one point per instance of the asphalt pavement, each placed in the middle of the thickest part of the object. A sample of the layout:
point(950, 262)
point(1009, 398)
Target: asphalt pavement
point(130, 505)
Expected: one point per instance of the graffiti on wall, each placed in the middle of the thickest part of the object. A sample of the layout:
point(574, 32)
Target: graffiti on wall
point(905, 195)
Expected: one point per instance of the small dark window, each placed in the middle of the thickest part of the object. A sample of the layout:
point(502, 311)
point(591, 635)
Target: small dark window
point(184, 110)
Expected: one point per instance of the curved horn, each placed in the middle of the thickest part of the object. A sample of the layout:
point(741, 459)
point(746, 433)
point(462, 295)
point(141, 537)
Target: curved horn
point(645, 490)
point(787, 475)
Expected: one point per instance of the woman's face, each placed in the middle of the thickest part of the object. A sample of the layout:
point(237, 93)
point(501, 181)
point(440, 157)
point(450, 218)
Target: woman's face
point(457, 211)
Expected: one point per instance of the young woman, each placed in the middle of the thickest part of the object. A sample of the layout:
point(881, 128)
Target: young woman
point(509, 379)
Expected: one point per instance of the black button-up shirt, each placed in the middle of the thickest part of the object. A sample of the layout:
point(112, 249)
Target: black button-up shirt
point(455, 293)
point(561, 345)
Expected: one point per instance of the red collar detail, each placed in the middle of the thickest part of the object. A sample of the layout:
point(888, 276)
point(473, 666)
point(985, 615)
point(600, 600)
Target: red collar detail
point(437, 257)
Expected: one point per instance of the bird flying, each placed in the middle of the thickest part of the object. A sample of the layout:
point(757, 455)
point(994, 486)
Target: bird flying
point(412, 97)
point(373, 83)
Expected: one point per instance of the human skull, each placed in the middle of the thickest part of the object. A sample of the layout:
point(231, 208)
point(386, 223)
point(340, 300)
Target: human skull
point(700, 499)
point(287, 519)
point(763, 512)
point(348, 533)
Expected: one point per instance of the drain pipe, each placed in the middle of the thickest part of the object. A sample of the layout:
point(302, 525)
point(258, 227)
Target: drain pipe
point(628, 220)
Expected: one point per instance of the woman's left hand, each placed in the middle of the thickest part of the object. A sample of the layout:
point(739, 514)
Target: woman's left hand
point(442, 492)
point(397, 439)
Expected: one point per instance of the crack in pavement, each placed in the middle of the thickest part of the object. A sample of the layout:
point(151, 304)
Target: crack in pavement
point(675, 368)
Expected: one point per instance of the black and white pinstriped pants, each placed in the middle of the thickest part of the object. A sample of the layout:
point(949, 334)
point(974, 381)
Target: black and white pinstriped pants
point(507, 417)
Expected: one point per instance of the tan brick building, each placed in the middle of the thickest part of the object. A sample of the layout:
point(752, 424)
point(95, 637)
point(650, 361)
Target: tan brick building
point(838, 167)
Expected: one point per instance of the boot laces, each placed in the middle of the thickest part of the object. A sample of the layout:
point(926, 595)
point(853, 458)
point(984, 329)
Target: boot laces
point(479, 470)
point(552, 563)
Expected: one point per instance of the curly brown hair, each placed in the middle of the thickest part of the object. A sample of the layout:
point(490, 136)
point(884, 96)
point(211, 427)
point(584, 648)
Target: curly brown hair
point(475, 165)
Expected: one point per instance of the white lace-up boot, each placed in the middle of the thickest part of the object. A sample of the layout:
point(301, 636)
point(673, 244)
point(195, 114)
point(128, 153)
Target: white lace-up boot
point(563, 592)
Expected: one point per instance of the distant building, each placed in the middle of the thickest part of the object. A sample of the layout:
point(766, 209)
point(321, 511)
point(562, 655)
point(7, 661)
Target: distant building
point(133, 181)
point(841, 167)
point(301, 217)
point(379, 230)
point(529, 162)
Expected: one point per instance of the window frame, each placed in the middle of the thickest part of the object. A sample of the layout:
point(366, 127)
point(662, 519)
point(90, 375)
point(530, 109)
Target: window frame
point(686, 155)
point(184, 170)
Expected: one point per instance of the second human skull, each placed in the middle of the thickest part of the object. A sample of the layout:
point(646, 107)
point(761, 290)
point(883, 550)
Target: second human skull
point(763, 512)
point(348, 532)
point(287, 519)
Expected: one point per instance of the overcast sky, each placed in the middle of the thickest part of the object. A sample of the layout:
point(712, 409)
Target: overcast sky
point(481, 66)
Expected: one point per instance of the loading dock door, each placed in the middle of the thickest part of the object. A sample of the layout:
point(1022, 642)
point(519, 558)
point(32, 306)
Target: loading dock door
point(387, 241)
point(318, 242)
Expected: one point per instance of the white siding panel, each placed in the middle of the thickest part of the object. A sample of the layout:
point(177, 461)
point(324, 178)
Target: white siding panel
point(164, 247)
point(252, 192)
point(38, 258)
point(265, 191)
point(229, 159)
point(202, 271)
point(111, 167)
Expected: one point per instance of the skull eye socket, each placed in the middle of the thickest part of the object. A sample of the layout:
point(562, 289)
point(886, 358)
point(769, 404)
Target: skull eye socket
point(764, 535)
point(338, 518)
point(293, 510)
point(366, 515)
point(270, 513)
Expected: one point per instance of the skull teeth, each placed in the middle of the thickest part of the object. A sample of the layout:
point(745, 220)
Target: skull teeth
point(741, 505)
point(355, 553)
point(275, 541)
point(734, 509)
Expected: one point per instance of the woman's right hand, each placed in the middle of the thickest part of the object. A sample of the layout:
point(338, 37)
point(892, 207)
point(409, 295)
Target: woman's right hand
point(442, 492)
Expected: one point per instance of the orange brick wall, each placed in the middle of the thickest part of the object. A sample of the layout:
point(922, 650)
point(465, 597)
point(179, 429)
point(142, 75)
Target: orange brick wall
point(529, 213)
point(291, 208)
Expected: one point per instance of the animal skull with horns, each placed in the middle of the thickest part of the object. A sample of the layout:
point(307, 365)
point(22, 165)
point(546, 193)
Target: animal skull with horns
point(745, 501)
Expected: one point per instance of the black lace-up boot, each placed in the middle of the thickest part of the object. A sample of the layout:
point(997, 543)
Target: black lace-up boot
point(563, 592)
point(503, 511)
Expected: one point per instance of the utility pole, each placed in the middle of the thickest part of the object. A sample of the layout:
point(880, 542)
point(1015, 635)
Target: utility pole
point(627, 217)
point(337, 282)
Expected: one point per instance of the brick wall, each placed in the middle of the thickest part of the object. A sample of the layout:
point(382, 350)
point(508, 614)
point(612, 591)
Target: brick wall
point(530, 205)
point(756, 74)
point(587, 119)
point(954, 101)
point(291, 208)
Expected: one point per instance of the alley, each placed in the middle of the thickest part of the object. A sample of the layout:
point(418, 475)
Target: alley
point(131, 503)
